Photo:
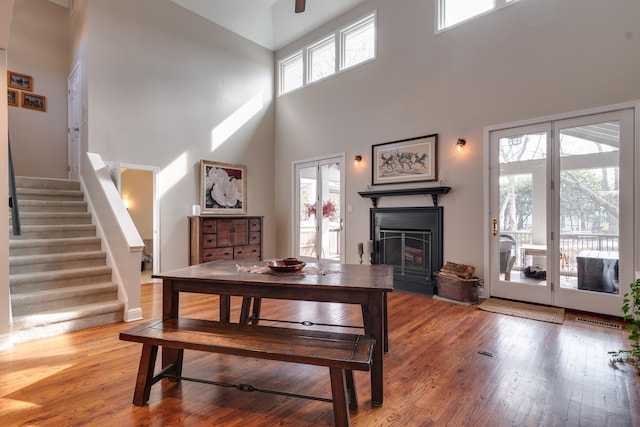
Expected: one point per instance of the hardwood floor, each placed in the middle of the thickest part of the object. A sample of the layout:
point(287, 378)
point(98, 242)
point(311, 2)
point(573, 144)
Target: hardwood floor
point(537, 374)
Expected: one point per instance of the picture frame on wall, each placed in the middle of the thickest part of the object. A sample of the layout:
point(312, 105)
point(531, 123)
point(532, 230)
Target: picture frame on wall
point(19, 81)
point(13, 97)
point(34, 102)
point(406, 160)
point(223, 188)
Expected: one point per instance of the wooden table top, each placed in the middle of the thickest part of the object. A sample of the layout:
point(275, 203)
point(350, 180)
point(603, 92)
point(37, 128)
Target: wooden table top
point(318, 275)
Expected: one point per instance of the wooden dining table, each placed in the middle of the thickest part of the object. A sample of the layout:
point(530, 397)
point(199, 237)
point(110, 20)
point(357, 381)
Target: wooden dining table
point(363, 285)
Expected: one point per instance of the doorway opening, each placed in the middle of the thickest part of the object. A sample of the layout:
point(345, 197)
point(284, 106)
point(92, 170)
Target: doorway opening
point(318, 207)
point(137, 187)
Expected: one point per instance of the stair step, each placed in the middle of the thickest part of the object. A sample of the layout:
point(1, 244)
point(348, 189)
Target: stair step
point(51, 246)
point(59, 280)
point(31, 282)
point(55, 262)
point(53, 299)
point(40, 194)
point(59, 231)
point(46, 183)
point(54, 218)
point(51, 206)
point(56, 322)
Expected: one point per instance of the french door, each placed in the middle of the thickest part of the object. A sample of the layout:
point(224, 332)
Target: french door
point(318, 207)
point(561, 209)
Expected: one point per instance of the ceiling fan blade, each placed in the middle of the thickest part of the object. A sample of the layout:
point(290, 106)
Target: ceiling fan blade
point(300, 6)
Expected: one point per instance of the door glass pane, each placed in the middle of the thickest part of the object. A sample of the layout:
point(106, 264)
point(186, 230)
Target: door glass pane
point(307, 214)
point(523, 208)
point(589, 207)
point(331, 227)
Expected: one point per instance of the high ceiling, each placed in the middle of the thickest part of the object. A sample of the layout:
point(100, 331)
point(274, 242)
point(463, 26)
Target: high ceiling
point(269, 23)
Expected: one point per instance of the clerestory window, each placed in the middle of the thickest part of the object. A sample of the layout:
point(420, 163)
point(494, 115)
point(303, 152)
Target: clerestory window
point(349, 46)
point(452, 12)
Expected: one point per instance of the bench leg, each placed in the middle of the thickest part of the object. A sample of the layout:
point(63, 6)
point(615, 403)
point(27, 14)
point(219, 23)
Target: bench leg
point(172, 361)
point(144, 381)
point(339, 394)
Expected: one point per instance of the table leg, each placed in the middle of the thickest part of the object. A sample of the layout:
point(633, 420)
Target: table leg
point(385, 322)
point(374, 325)
point(170, 304)
point(225, 308)
point(244, 311)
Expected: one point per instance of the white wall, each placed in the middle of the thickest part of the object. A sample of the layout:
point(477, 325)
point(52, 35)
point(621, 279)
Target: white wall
point(40, 47)
point(531, 59)
point(5, 299)
point(160, 80)
point(6, 7)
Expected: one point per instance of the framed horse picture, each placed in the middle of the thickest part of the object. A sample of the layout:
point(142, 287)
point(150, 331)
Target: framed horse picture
point(406, 160)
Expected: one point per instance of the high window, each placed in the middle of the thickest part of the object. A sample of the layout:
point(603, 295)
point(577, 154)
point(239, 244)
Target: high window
point(452, 12)
point(322, 59)
point(347, 47)
point(358, 42)
point(291, 73)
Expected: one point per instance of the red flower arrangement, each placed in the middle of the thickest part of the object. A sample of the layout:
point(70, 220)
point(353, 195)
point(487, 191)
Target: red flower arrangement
point(328, 209)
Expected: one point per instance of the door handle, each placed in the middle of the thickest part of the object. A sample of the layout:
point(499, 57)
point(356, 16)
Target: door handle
point(494, 227)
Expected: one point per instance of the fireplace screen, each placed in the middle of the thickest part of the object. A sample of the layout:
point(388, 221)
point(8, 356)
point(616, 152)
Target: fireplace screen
point(408, 251)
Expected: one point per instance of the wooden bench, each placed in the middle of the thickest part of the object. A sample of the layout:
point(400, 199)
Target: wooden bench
point(341, 353)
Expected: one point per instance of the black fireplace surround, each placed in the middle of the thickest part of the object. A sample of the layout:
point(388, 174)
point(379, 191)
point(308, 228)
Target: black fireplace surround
point(410, 239)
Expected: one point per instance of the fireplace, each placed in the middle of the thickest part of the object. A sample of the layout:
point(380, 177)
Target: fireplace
point(409, 239)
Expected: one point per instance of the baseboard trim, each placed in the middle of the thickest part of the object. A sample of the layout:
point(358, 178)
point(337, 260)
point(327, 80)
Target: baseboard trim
point(133, 315)
point(5, 341)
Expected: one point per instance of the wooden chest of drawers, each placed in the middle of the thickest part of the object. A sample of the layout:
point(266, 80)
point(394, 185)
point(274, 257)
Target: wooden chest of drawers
point(224, 237)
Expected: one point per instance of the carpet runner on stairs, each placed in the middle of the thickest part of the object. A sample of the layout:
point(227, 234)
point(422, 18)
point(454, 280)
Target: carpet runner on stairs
point(59, 278)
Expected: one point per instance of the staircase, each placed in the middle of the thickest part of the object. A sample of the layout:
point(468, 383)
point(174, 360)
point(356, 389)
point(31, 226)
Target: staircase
point(58, 274)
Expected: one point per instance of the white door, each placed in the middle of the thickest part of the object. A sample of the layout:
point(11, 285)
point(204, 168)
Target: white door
point(561, 192)
point(319, 200)
point(595, 206)
point(519, 173)
point(74, 122)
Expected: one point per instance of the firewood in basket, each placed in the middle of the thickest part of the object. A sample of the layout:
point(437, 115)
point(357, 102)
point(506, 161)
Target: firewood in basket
point(463, 271)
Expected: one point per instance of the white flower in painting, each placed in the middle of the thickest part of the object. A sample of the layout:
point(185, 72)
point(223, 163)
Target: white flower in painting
point(225, 190)
point(215, 175)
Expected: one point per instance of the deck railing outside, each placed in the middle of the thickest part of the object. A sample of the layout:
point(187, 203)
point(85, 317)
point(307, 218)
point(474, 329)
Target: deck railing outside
point(571, 244)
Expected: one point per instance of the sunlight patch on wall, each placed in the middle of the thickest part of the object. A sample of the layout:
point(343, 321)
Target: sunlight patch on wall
point(170, 175)
point(235, 121)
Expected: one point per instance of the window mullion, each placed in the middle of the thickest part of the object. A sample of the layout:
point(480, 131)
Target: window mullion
point(338, 51)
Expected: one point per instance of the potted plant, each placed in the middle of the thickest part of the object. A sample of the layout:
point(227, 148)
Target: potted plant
point(631, 310)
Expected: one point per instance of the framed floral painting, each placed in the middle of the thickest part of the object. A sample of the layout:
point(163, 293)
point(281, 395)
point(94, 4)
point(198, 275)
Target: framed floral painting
point(223, 188)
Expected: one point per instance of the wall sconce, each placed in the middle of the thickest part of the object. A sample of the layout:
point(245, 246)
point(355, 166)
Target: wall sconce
point(126, 203)
point(357, 160)
point(460, 145)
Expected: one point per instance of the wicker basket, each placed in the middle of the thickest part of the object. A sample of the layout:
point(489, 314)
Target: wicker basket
point(463, 290)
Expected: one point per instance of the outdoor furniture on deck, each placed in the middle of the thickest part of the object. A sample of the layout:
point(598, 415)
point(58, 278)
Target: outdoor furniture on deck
point(507, 254)
point(598, 271)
